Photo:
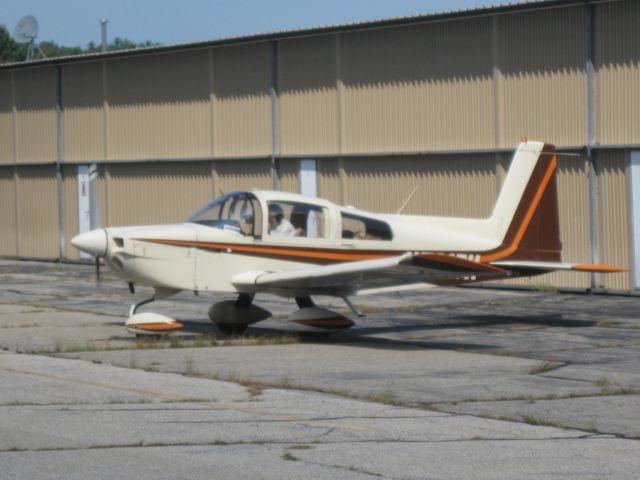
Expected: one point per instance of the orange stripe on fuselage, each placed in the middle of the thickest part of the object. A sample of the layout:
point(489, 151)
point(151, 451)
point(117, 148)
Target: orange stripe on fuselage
point(302, 254)
point(529, 215)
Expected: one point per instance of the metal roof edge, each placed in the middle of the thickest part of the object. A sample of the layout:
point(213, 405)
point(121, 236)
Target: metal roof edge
point(512, 7)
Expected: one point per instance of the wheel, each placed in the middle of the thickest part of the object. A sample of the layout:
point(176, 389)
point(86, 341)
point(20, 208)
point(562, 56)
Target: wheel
point(231, 328)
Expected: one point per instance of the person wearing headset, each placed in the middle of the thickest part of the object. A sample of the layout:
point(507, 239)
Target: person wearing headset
point(278, 225)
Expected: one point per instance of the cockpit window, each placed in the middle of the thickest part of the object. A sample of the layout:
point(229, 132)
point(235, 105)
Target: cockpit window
point(234, 213)
point(296, 219)
point(363, 228)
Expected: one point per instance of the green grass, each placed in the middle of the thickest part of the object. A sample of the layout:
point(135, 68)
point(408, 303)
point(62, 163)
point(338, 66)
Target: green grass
point(302, 446)
point(604, 324)
point(190, 369)
point(288, 456)
point(545, 366)
point(544, 288)
point(541, 422)
point(507, 301)
point(386, 397)
point(200, 341)
point(603, 383)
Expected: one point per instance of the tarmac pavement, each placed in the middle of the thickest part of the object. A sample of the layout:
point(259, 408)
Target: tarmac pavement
point(448, 383)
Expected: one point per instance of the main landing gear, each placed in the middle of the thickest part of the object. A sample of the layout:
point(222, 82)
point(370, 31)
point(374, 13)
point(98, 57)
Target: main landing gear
point(234, 316)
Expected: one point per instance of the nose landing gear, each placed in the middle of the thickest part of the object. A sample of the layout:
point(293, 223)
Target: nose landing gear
point(149, 323)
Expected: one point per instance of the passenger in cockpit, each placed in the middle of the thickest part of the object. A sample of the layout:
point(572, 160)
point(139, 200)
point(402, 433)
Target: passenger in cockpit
point(278, 225)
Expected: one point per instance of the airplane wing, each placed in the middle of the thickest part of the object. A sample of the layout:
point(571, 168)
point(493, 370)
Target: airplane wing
point(369, 276)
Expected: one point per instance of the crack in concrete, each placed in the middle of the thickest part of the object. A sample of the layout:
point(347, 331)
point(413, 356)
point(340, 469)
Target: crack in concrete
point(589, 433)
point(222, 443)
point(352, 469)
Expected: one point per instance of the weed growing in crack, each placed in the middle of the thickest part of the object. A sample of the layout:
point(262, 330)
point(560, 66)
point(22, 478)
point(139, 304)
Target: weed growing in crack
point(541, 422)
point(544, 288)
point(603, 384)
point(302, 446)
point(545, 366)
point(288, 456)
point(189, 368)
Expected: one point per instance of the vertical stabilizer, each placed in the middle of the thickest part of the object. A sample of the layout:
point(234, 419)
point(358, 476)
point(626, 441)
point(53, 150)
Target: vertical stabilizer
point(526, 212)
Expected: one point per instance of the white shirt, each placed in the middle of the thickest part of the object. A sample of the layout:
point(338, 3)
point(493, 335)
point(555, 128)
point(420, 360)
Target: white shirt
point(284, 229)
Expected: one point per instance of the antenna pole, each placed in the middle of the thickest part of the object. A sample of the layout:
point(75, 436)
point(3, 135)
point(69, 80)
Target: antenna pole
point(103, 24)
point(407, 200)
point(31, 49)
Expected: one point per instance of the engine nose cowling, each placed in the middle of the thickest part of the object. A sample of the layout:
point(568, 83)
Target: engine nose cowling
point(93, 242)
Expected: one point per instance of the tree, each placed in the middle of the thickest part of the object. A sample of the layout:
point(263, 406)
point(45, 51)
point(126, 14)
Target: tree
point(12, 51)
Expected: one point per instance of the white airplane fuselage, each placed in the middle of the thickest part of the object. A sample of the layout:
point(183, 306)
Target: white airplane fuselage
point(214, 246)
point(208, 259)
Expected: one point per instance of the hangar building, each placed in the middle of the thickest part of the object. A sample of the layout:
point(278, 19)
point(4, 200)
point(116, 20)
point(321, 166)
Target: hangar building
point(364, 114)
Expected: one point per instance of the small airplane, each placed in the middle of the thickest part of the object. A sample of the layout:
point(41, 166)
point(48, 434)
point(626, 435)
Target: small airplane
point(298, 247)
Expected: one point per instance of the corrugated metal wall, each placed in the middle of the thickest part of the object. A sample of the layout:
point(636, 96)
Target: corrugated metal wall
point(35, 115)
point(156, 111)
point(8, 225)
point(6, 118)
point(70, 206)
point(450, 186)
point(307, 99)
point(613, 214)
point(151, 193)
point(329, 182)
point(37, 212)
point(573, 205)
point(241, 100)
point(242, 175)
point(541, 60)
point(289, 175)
point(405, 91)
point(103, 195)
point(617, 63)
point(84, 114)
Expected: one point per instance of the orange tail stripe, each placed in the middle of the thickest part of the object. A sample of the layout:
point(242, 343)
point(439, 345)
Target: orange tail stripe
point(527, 219)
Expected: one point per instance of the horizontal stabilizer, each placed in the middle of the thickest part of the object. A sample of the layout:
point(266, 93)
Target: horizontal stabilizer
point(543, 267)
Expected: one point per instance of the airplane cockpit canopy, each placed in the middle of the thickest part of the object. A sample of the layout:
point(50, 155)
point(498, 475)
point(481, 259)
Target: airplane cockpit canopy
point(237, 212)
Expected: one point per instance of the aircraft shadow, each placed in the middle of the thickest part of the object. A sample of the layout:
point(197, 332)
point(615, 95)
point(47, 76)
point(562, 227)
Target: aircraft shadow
point(369, 336)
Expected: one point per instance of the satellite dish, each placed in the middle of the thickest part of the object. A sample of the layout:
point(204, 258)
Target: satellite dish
point(26, 31)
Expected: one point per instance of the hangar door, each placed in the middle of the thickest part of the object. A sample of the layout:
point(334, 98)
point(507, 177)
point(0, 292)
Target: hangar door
point(635, 209)
point(88, 208)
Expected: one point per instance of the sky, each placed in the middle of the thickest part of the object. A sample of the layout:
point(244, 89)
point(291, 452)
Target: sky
point(77, 22)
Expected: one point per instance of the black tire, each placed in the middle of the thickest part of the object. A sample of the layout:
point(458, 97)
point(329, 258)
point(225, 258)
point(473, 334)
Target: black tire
point(231, 328)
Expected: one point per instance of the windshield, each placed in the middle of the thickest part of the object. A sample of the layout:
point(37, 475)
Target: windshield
point(234, 213)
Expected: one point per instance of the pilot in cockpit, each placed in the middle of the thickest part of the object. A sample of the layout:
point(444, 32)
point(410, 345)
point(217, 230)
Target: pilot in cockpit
point(278, 225)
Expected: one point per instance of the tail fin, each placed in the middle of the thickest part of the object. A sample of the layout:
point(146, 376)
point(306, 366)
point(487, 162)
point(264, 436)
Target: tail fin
point(527, 207)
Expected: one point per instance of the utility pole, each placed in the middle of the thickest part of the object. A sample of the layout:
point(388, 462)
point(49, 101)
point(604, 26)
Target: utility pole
point(103, 24)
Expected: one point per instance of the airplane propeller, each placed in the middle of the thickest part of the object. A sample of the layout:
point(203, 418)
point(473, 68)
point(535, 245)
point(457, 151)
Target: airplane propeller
point(93, 242)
